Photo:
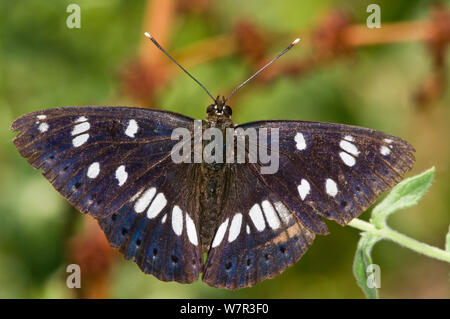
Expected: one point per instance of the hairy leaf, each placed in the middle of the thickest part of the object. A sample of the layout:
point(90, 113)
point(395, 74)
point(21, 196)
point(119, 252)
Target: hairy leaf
point(361, 263)
point(404, 195)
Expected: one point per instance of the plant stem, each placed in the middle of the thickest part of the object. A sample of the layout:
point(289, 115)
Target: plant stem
point(402, 240)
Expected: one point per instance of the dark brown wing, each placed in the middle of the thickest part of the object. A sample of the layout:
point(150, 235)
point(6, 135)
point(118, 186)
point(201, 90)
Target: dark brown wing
point(115, 164)
point(325, 170)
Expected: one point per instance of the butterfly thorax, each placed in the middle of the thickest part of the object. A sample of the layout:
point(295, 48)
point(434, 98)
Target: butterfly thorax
point(213, 175)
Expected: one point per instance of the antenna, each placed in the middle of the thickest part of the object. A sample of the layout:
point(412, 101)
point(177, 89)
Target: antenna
point(264, 67)
point(148, 35)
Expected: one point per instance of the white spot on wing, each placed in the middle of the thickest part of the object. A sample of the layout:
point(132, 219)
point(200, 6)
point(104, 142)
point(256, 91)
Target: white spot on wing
point(235, 227)
point(388, 140)
point(144, 200)
point(384, 150)
point(349, 138)
point(349, 147)
point(81, 119)
point(284, 213)
point(303, 189)
point(247, 229)
point(41, 117)
point(220, 233)
point(80, 140)
point(157, 205)
point(43, 127)
point(257, 217)
point(191, 231)
point(271, 215)
point(300, 140)
point(81, 128)
point(121, 174)
point(93, 170)
point(163, 220)
point(347, 159)
point(177, 220)
point(331, 187)
point(132, 128)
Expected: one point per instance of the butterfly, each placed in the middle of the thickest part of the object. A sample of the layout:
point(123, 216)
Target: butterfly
point(225, 220)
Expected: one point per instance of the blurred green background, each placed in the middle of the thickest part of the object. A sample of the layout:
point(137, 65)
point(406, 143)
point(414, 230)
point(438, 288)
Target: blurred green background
point(45, 64)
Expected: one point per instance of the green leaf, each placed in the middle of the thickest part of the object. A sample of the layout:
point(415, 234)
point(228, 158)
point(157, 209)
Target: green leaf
point(447, 240)
point(404, 195)
point(361, 263)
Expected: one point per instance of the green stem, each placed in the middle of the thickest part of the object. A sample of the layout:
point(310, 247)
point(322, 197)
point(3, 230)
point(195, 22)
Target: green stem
point(405, 241)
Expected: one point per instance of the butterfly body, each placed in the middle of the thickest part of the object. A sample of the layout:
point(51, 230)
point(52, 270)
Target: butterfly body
point(213, 175)
point(116, 164)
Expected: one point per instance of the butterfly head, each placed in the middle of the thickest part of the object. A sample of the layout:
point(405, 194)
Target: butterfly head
point(219, 108)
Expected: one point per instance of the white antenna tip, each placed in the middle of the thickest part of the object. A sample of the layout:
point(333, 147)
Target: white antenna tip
point(148, 35)
point(296, 41)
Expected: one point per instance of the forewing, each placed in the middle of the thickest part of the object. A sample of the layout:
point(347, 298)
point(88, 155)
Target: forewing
point(96, 157)
point(336, 170)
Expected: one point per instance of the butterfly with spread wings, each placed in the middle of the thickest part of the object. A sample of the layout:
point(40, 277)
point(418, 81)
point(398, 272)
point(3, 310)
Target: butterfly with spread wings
point(115, 164)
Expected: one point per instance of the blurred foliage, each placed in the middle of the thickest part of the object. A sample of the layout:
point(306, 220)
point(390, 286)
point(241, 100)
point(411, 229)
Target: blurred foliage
point(45, 64)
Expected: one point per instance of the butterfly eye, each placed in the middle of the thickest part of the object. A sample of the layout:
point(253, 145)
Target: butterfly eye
point(227, 110)
point(210, 109)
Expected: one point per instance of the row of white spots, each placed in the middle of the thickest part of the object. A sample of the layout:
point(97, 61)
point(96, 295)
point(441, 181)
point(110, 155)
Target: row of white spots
point(132, 128)
point(273, 219)
point(81, 128)
point(78, 129)
point(121, 175)
point(157, 204)
point(385, 150)
point(43, 127)
point(305, 188)
point(84, 126)
point(300, 140)
point(259, 214)
point(349, 147)
point(351, 151)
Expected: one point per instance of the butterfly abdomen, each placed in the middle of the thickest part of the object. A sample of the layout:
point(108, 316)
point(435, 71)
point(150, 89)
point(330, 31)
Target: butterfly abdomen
point(211, 193)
